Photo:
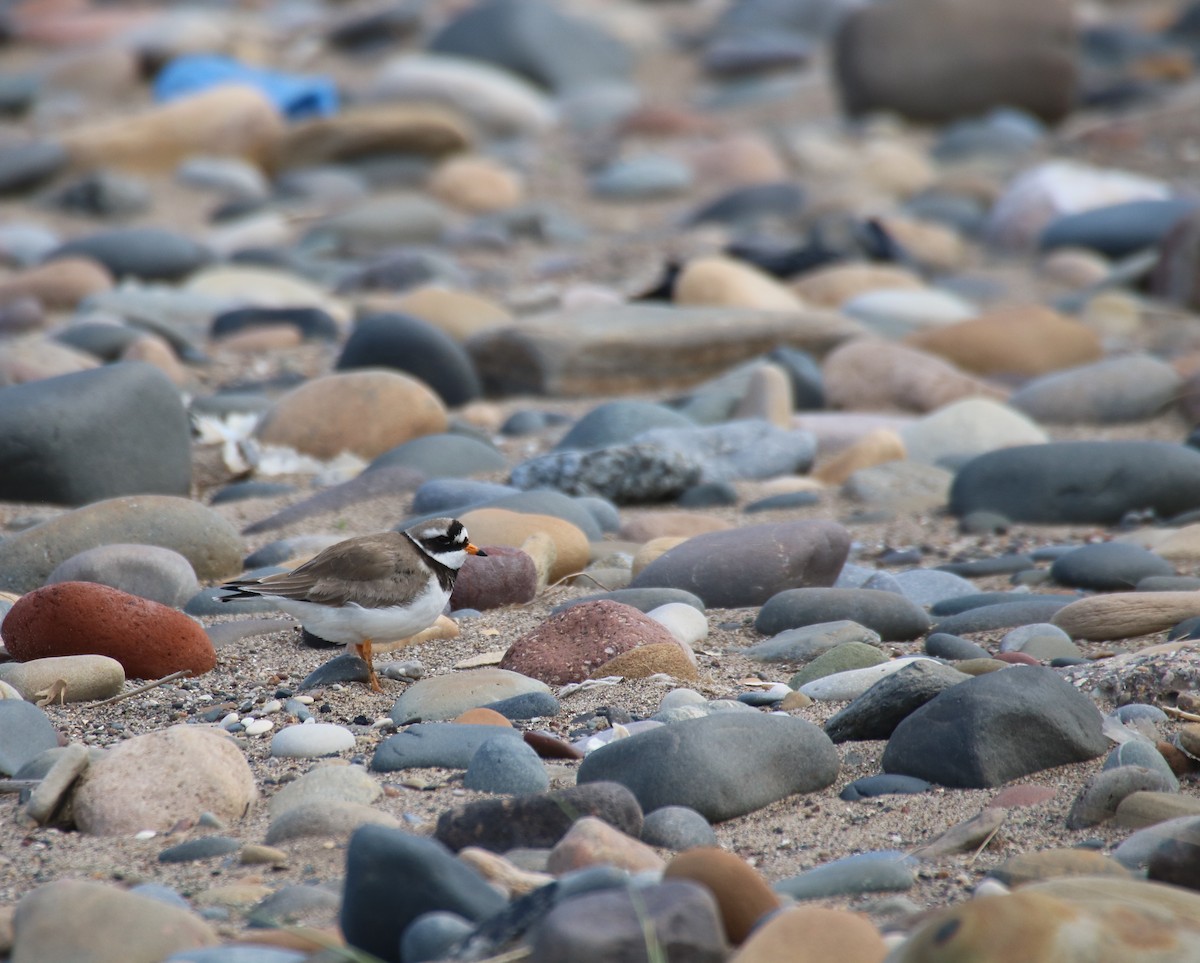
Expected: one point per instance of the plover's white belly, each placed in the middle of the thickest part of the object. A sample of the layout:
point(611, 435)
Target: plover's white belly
point(352, 624)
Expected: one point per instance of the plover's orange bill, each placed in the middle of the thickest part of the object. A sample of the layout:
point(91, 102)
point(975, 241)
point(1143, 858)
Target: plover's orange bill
point(371, 591)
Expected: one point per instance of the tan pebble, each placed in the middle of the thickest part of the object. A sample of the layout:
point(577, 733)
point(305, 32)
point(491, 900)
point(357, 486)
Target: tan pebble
point(267, 337)
point(814, 934)
point(1074, 267)
point(1113, 314)
point(253, 854)
point(832, 286)
point(652, 550)
point(233, 896)
point(1123, 615)
point(934, 246)
point(725, 282)
point(739, 160)
point(459, 313)
point(498, 526)
point(795, 700)
point(154, 350)
point(876, 447)
point(900, 169)
point(669, 658)
point(742, 894)
point(499, 871)
point(482, 717)
point(1143, 808)
point(477, 185)
point(1189, 738)
point(593, 842)
point(303, 939)
point(649, 526)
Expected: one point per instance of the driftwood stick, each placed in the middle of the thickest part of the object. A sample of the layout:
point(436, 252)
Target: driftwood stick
point(121, 696)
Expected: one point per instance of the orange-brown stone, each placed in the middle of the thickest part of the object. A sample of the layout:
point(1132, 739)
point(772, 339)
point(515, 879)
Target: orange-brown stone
point(150, 640)
point(740, 890)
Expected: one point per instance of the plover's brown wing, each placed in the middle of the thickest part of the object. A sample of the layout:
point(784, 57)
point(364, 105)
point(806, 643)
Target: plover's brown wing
point(363, 569)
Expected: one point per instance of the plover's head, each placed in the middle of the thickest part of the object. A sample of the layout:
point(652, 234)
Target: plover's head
point(444, 540)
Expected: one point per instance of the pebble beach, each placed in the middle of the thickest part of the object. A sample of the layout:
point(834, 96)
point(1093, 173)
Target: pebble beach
point(821, 377)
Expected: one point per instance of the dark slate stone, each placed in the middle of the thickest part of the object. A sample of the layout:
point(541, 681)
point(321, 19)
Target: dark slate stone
point(431, 936)
point(876, 713)
point(25, 732)
point(26, 166)
point(538, 820)
point(943, 645)
point(101, 339)
point(748, 566)
point(1144, 755)
point(417, 348)
point(1080, 482)
point(784, 199)
point(644, 600)
point(893, 616)
point(884, 784)
point(392, 877)
point(148, 253)
point(506, 766)
point(995, 728)
point(708, 495)
point(310, 322)
point(783, 500)
point(206, 847)
point(533, 39)
point(528, 705)
point(1004, 616)
point(618, 422)
point(84, 437)
point(243, 490)
point(1187, 629)
point(443, 455)
point(453, 496)
point(679, 918)
point(343, 668)
point(101, 194)
point(808, 383)
point(447, 745)
point(1117, 230)
point(723, 765)
point(983, 567)
point(978, 600)
point(1109, 567)
point(677, 828)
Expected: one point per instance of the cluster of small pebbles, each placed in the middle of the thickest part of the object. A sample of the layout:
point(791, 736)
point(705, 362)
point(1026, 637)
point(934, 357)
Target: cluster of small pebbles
point(822, 378)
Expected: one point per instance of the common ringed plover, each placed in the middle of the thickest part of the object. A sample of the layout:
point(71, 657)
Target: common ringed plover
point(371, 590)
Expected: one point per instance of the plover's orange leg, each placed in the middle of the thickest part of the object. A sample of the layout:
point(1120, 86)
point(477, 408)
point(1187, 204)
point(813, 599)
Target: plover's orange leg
point(372, 678)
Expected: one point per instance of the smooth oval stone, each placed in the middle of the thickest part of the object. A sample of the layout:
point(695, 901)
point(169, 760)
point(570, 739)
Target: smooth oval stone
point(148, 253)
point(893, 616)
point(1004, 615)
point(976, 734)
point(392, 877)
point(432, 935)
point(528, 705)
point(1100, 798)
point(809, 641)
point(311, 322)
point(615, 422)
point(842, 658)
point(884, 784)
point(447, 696)
point(677, 827)
point(444, 744)
point(1041, 640)
point(886, 871)
point(928, 586)
point(49, 430)
point(241, 491)
point(642, 178)
point(327, 783)
point(942, 645)
point(443, 455)
point(311, 740)
point(852, 683)
point(87, 677)
point(1117, 230)
point(1136, 850)
point(1125, 614)
point(202, 536)
point(643, 599)
point(449, 495)
point(1108, 566)
point(25, 732)
point(722, 765)
point(1124, 388)
point(148, 571)
point(206, 847)
point(1079, 482)
point(417, 348)
point(506, 766)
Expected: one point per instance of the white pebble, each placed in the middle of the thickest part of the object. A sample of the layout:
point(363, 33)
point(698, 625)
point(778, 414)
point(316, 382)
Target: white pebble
point(310, 740)
point(686, 623)
point(268, 707)
point(259, 726)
